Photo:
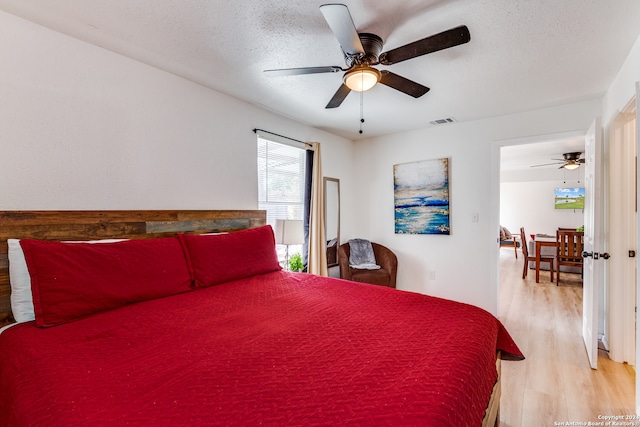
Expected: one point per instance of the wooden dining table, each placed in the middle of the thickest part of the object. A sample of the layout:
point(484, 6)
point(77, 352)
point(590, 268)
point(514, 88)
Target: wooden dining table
point(540, 242)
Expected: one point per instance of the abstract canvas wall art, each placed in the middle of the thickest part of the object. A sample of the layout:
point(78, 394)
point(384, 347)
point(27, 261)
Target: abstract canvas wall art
point(421, 197)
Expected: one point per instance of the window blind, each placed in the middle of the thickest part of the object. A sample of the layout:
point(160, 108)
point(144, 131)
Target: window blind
point(281, 177)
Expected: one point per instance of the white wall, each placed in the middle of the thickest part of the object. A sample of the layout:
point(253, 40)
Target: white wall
point(622, 89)
point(464, 263)
point(85, 128)
point(530, 203)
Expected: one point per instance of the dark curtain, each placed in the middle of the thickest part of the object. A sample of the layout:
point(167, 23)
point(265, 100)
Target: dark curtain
point(308, 180)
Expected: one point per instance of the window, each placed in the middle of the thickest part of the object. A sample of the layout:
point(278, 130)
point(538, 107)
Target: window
point(281, 174)
point(281, 184)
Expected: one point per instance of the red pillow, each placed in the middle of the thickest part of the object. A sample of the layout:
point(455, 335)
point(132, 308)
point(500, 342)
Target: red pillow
point(73, 280)
point(226, 257)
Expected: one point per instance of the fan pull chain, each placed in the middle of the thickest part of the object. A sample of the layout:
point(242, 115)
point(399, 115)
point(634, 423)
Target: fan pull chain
point(361, 110)
point(564, 172)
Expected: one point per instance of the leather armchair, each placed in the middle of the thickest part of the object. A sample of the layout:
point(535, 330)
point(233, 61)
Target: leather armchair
point(385, 276)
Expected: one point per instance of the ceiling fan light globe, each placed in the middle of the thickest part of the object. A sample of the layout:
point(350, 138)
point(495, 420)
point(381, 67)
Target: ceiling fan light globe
point(361, 79)
point(571, 166)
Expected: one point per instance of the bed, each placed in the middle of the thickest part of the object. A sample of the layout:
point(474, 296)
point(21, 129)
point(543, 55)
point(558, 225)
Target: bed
point(189, 320)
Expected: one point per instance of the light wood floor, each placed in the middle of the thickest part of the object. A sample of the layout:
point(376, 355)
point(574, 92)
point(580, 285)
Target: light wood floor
point(554, 383)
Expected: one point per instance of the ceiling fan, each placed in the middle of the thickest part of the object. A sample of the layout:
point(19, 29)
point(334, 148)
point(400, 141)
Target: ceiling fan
point(363, 50)
point(570, 161)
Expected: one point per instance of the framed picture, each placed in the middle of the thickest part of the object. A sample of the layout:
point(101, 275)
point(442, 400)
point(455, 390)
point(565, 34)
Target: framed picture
point(421, 197)
point(569, 198)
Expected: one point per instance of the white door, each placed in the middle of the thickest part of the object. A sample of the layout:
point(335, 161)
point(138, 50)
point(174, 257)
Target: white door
point(593, 271)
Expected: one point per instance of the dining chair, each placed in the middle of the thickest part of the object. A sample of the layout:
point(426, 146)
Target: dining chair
point(507, 239)
point(569, 245)
point(527, 257)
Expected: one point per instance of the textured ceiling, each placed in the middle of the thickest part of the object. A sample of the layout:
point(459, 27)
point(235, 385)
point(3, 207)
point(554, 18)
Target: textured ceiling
point(523, 54)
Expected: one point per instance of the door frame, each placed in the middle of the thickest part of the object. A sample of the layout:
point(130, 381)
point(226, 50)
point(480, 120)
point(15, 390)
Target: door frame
point(494, 197)
point(620, 325)
point(637, 99)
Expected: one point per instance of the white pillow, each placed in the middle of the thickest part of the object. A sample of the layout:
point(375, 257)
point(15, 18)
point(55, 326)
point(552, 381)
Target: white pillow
point(21, 299)
point(20, 280)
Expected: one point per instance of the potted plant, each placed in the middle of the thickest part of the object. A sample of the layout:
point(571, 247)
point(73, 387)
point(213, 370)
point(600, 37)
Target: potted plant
point(295, 263)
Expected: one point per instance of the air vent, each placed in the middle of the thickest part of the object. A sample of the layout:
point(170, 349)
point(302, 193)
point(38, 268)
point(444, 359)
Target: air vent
point(443, 121)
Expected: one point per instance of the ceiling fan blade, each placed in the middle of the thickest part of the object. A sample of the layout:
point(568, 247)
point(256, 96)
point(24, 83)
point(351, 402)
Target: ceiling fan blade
point(303, 70)
point(402, 84)
point(548, 164)
point(339, 96)
point(339, 19)
point(446, 39)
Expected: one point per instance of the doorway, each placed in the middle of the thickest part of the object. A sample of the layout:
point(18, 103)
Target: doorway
point(555, 177)
point(630, 124)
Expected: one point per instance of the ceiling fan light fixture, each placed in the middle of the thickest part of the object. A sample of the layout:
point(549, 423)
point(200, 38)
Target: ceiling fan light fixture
point(571, 165)
point(362, 78)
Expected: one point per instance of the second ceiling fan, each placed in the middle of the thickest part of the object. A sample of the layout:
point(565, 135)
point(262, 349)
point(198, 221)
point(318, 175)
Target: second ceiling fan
point(569, 161)
point(363, 50)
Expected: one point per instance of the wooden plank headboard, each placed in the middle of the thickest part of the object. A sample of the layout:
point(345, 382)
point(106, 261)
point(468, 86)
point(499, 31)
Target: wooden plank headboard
point(92, 225)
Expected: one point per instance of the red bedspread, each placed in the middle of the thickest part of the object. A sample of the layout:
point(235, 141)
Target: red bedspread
point(279, 349)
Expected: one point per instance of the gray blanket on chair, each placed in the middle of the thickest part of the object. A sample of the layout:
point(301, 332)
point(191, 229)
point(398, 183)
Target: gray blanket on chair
point(361, 255)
